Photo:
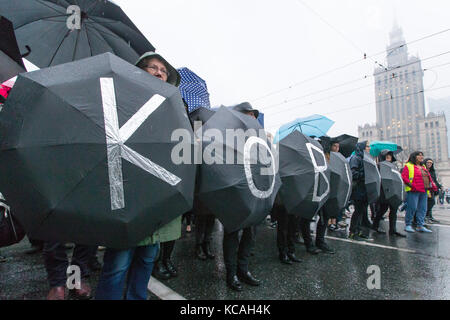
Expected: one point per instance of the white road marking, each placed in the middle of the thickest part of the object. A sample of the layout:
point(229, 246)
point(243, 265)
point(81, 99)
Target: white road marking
point(365, 243)
point(163, 292)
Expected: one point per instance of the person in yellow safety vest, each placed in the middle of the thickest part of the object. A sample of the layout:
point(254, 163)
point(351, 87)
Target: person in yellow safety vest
point(418, 182)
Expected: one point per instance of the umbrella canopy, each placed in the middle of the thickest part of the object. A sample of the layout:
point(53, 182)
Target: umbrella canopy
point(377, 146)
point(60, 31)
point(372, 178)
point(347, 144)
point(340, 184)
point(304, 174)
point(315, 125)
point(11, 63)
point(93, 168)
point(392, 184)
point(235, 183)
point(201, 114)
point(193, 90)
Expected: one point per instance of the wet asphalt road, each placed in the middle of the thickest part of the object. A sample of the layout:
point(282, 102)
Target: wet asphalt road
point(413, 268)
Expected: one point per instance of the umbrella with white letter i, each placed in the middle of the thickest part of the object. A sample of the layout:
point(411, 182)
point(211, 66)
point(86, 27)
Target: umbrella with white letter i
point(86, 153)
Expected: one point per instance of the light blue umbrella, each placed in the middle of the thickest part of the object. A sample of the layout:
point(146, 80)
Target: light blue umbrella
point(377, 146)
point(315, 125)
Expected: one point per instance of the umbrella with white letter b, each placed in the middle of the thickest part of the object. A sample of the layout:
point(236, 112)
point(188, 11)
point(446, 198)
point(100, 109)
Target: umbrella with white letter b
point(86, 153)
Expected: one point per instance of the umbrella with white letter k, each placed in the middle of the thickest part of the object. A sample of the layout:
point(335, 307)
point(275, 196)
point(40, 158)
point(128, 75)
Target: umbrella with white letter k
point(86, 153)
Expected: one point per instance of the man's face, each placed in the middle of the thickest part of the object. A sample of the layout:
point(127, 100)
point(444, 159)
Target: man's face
point(429, 164)
point(389, 158)
point(156, 68)
point(367, 148)
point(335, 147)
point(251, 114)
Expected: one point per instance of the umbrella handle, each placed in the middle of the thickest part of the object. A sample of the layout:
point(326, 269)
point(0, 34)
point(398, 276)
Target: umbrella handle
point(26, 54)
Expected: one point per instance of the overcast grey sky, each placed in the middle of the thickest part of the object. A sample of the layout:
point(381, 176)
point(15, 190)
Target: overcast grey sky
point(245, 49)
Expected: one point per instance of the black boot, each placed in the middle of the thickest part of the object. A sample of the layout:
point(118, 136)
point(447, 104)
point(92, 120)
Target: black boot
point(207, 250)
point(234, 283)
point(284, 258)
point(199, 252)
point(160, 272)
point(171, 268)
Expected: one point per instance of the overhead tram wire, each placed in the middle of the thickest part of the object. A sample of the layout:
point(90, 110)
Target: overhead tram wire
point(373, 102)
point(346, 66)
point(353, 81)
point(349, 91)
point(339, 32)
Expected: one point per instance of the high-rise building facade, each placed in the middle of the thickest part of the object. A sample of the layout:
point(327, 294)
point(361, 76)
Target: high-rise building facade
point(400, 103)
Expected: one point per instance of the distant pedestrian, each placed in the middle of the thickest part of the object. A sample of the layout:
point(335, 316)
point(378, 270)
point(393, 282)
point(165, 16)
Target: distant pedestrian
point(429, 163)
point(447, 196)
point(418, 181)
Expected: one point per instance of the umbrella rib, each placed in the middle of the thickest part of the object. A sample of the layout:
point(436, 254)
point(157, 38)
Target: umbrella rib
point(70, 191)
point(88, 39)
point(103, 32)
point(92, 7)
point(76, 44)
point(56, 52)
point(44, 4)
point(45, 18)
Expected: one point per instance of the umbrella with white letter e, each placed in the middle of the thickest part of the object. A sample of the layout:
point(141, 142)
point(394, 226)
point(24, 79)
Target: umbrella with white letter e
point(85, 153)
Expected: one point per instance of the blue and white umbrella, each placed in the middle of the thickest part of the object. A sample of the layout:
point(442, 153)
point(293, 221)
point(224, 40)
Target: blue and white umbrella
point(193, 90)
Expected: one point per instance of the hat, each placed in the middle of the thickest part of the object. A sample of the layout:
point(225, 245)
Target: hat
point(174, 76)
point(245, 107)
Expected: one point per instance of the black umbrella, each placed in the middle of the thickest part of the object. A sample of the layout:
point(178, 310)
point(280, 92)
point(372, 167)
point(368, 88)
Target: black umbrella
point(235, 183)
point(340, 184)
point(392, 183)
point(347, 144)
point(11, 63)
point(85, 154)
point(201, 114)
point(304, 174)
point(60, 31)
point(372, 178)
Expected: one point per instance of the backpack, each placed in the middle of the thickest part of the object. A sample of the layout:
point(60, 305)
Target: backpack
point(11, 231)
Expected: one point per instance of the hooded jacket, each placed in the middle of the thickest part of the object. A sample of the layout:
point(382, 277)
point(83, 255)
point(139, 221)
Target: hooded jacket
point(432, 172)
point(359, 191)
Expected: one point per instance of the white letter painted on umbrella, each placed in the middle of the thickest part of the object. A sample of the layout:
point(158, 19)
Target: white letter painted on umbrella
point(116, 138)
point(74, 21)
point(248, 172)
point(73, 277)
point(318, 170)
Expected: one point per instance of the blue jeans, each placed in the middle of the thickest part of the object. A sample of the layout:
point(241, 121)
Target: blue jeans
point(416, 204)
point(137, 262)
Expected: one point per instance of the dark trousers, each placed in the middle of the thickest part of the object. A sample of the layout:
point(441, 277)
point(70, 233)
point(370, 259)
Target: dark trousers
point(287, 226)
point(165, 251)
point(305, 228)
point(381, 209)
point(203, 228)
point(236, 252)
point(357, 217)
point(56, 261)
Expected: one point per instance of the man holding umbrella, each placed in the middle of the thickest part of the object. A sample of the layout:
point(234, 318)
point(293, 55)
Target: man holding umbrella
point(138, 262)
point(236, 251)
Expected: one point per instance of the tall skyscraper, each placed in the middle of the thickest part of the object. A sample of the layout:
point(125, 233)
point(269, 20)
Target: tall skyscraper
point(399, 94)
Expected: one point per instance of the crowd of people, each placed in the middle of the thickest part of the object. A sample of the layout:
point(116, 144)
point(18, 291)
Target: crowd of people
point(126, 273)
